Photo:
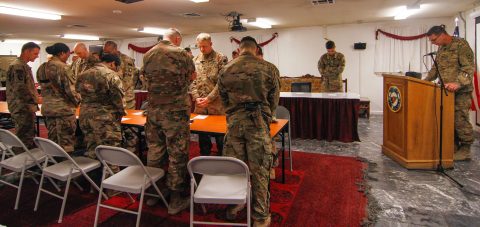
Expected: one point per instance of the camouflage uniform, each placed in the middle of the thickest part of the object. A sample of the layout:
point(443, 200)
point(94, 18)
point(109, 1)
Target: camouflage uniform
point(22, 100)
point(127, 73)
point(204, 86)
point(3, 77)
point(168, 70)
point(456, 64)
point(102, 107)
point(331, 68)
point(60, 101)
point(249, 91)
point(82, 65)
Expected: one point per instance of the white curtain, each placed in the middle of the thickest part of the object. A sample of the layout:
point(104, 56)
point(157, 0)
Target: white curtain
point(392, 55)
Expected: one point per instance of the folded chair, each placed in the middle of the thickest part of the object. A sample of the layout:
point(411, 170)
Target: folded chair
point(65, 171)
point(225, 180)
point(135, 178)
point(19, 163)
point(283, 113)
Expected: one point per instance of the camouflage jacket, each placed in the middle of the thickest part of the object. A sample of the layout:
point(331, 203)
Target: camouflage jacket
point(276, 96)
point(332, 66)
point(58, 88)
point(248, 79)
point(456, 64)
point(81, 65)
point(3, 75)
point(168, 71)
point(102, 92)
point(127, 73)
point(207, 68)
point(21, 92)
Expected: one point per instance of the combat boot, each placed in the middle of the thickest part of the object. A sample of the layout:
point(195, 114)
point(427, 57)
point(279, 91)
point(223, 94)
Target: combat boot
point(463, 153)
point(233, 210)
point(177, 203)
point(262, 223)
point(154, 200)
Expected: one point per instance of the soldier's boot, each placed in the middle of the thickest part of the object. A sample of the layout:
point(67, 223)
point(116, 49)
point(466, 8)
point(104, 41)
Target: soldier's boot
point(154, 200)
point(463, 153)
point(272, 174)
point(177, 203)
point(262, 223)
point(233, 210)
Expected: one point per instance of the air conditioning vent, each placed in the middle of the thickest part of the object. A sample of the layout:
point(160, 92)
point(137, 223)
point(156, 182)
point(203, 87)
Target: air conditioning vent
point(128, 1)
point(191, 15)
point(322, 2)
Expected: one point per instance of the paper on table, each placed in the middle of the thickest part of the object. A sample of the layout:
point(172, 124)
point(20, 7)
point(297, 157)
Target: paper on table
point(125, 118)
point(138, 113)
point(200, 117)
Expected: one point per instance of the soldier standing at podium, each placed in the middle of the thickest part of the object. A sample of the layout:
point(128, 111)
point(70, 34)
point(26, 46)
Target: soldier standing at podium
point(456, 66)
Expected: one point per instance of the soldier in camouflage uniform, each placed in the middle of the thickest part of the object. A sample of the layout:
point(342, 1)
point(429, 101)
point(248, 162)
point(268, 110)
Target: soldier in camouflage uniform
point(60, 99)
point(85, 60)
point(102, 104)
point(3, 77)
point(169, 72)
point(331, 66)
point(249, 91)
point(22, 97)
point(204, 90)
point(456, 66)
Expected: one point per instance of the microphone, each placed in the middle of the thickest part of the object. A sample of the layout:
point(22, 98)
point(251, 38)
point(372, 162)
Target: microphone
point(431, 53)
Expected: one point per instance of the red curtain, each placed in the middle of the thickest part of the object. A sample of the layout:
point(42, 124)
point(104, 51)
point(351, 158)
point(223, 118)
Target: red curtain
point(139, 49)
point(275, 35)
point(393, 36)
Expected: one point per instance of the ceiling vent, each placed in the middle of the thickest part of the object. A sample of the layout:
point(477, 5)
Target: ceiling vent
point(322, 2)
point(128, 1)
point(76, 26)
point(191, 15)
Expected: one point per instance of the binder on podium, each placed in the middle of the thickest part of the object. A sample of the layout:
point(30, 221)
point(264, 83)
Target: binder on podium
point(411, 123)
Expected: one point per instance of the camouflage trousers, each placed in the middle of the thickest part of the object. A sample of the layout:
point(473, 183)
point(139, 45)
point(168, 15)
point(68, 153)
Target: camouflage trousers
point(168, 132)
point(130, 100)
point(251, 143)
point(61, 130)
point(332, 84)
point(100, 130)
point(130, 140)
point(25, 126)
point(463, 127)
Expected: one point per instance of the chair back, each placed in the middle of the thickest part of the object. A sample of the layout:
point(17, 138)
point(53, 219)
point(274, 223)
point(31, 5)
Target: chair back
point(301, 87)
point(215, 165)
point(282, 113)
point(117, 156)
point(50, 148)
point(10, 139)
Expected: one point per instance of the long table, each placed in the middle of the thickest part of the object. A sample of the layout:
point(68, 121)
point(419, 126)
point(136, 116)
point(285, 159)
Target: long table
point(323, 116)
point(212, 125)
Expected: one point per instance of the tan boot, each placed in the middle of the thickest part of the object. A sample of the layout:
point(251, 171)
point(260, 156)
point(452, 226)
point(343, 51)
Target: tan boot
point(177, 203)
point(463, 153)
point(233, 210)
point(262, 223)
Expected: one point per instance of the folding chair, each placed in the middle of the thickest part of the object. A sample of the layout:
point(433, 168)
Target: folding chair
point(19, 163)
point(225, 180)
point(283, 113)
point(135, 178)
point(65, 171)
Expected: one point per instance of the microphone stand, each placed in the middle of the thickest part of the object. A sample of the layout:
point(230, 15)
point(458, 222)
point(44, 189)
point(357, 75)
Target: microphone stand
point(440, 168)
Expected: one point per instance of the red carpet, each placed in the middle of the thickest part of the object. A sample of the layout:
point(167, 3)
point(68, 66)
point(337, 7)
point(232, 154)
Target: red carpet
point(322, 191)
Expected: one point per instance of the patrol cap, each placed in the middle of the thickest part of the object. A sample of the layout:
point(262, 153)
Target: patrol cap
point(110, 58)
point(248, 38)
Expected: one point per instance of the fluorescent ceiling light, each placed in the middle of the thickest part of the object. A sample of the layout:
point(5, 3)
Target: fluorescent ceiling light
point(198, 1)
point(21, 41)
point(80, 37)
point(151, 30)
point(29, 13)
point(404, 12)
point(259, 22)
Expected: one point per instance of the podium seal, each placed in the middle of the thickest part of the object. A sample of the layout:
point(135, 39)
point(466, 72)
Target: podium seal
point(394, 99)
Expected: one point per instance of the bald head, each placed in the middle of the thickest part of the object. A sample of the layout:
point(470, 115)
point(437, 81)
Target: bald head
point(81, 50)
point(174, 36)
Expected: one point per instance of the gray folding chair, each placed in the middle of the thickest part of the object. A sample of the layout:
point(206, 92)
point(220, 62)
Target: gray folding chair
point(66, 171)
point(225, 180)
point(135, 178)
point(19, 163)
point(283, 113)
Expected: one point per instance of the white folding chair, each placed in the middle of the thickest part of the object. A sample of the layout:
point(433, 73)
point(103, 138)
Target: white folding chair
point(135, 178)
point(283, 113)
point(65, 171)
point(19, 163)
point(225, 180)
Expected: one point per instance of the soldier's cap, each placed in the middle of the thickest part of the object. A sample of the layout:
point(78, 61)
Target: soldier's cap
point(110, 58)
point(248, 38)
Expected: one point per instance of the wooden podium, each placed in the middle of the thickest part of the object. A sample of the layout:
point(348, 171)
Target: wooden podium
point(411, 123)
